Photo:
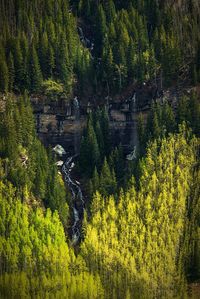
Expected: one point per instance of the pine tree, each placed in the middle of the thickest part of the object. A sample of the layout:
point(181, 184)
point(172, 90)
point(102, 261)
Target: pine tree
point(101, 29)
point(95, 180)
point(4, 75)
point(100, 139)
point(108, 65)
point(11, 70)
point(183, 108)
point(116, 162)
point(89, 151)
point(84, 7)
point(97, 203)
point(110, 10)
point(35, 71)
point(50, 61)
point(107, 180)
point(19, 66)
point(43, 54)
point(93, 147)
point(168, 118)
point(131, 60)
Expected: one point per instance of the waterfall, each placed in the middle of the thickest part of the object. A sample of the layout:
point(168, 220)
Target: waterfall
point(131, 127)
point(77, 198)
point(134, 135)
point(77, 137)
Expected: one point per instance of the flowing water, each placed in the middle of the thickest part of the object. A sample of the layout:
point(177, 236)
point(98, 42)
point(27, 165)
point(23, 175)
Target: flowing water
point(77, 197)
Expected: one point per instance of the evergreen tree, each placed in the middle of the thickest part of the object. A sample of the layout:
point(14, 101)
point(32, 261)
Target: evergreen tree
point(110, 10)
point(95, 180)
point(107, 180)
point(50, 62)
point(11, 70)
point(108, 66)
point(93, 146)
point(4, 75)
point(100, 139)
point(89, 151)
point(104, 123)
point(35, 71)
point(84, 8)
point(131, 61)
point(101, 30)
point(19, 66)
point(43, 54)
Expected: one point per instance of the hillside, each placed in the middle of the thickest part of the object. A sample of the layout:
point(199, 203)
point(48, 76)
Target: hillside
point(99, 149)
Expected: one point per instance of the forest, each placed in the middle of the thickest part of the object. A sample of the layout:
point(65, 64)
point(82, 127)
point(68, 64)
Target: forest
point(139, 232)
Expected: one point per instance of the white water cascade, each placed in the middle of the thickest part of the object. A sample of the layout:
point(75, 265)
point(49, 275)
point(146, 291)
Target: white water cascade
point(77, 198)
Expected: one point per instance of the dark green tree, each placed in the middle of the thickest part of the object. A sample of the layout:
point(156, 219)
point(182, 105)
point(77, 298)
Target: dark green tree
point(107, 180)
point(34, 70)
point(11, 70)
point(19, 66)
point(110, 10)
point(4, 75)
point(100, 30)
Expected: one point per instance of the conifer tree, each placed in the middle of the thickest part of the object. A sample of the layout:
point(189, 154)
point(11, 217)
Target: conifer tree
point(63, 64)
point(95, 180)
point(11, 70)
point(110, 10)
point(101, 29)
point(35, 71)
point(50, 61)
point(84, 7)
point(131, 60)
point(89, 151)
point(93, 146)
point(108, 65)
point(100, 139)
point(104, 123)
point(107, 180)
point(43, 54)
point(19, 66)
point(4, 75)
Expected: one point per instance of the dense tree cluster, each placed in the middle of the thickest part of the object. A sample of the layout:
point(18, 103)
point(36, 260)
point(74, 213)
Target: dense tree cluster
point(24, 159)
point(142, 40)
point(35, 258)
point(133, 41)
point(143, 239)
point(103, 165)
point(163, 119)
point(140, 244)
point(38, 41)
point(95, 143)
point(141, 228)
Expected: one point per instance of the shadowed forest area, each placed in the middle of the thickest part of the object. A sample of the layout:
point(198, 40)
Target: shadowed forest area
point(104, 224)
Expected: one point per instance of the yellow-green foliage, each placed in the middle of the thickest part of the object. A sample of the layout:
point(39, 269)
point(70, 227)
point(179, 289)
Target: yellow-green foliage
point(52, 88)
point(34, 256)
point(137, 244)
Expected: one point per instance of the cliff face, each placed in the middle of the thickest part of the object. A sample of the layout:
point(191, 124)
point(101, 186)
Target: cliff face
point(66, 128)
point(63, 123)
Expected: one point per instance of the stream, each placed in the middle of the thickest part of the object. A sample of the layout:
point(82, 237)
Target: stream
point(67, 167)
point(77, 197)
